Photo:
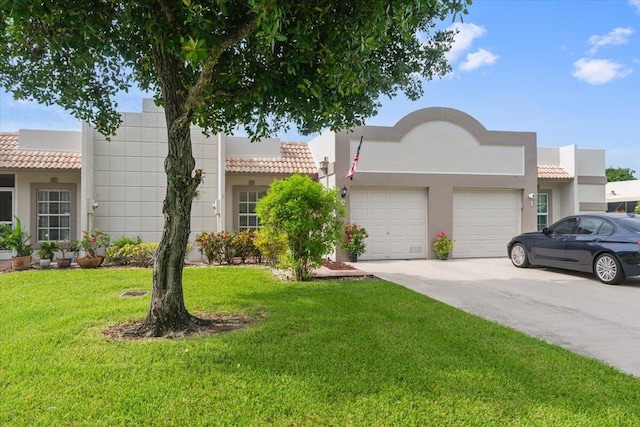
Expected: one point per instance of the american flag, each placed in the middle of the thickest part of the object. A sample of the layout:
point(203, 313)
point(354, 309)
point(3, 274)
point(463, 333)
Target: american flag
point(354, 164)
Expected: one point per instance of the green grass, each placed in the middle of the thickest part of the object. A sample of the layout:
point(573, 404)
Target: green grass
point(341, 353)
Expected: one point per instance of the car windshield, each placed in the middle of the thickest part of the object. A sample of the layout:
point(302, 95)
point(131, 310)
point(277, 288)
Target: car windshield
point(631, 223)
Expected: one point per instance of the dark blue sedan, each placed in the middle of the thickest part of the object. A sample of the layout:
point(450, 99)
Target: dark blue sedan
point(607, 245)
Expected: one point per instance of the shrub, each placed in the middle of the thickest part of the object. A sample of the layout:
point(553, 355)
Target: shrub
point(271, 246)
point(308, 214)
point(135, 255)
point(216, 246)
point(243, 243)
point(127, 240)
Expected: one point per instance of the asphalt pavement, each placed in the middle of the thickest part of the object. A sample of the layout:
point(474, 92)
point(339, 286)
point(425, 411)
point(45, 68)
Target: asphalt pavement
point(573, 310)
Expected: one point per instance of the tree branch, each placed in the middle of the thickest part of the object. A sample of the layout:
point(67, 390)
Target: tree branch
point(195, 98)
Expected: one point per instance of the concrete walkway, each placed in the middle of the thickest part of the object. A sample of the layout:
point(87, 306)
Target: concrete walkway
point(572, 310)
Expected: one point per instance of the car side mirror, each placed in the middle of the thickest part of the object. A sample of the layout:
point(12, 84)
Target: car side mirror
point(546, 231)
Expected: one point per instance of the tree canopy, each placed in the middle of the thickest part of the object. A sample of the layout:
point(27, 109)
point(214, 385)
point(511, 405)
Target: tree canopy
point(620, 174)
point(263, 65)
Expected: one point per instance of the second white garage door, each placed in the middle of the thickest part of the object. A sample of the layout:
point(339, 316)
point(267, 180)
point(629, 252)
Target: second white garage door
point(484, 221)
point(395, 219)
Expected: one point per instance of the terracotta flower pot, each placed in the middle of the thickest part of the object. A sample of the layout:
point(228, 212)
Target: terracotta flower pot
point(21, 262)
point(90, 262)
point(63, 262)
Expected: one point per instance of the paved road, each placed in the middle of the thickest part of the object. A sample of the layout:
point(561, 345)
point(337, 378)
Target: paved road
point(572, 310)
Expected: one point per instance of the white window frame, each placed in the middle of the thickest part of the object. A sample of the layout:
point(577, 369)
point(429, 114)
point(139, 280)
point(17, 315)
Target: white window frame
point(543, 214)
point(64, 232)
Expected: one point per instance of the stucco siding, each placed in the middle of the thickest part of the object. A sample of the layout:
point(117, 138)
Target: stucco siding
point(439, 147)
point(129, 182)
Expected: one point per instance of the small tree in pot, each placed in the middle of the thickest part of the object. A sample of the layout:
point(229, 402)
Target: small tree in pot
point(17, 240)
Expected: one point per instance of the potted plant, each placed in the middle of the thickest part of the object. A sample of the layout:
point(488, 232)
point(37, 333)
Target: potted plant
point(17, 240)
point(442, 245)
point(46, 251)
point(90, 243)
point(353, 242)
point(5, 250)
point(67, 246)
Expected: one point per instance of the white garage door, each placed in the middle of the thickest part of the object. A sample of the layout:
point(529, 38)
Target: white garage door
point(484, 221)
point(395, 220)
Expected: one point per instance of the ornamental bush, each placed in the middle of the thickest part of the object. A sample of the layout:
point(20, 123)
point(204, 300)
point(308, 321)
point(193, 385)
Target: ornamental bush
point(134, 255)
point(308, 215)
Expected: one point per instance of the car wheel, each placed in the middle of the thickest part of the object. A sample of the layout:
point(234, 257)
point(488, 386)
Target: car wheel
point(608, 269)
point(519, 256)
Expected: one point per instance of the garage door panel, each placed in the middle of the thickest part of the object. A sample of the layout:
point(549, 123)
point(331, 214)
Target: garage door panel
point(484, 221)
point(395, 220)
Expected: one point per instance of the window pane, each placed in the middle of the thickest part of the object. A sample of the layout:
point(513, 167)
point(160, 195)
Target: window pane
point(243, 221)
point(53, 221)
point(7, 181)
point(6, 206)
point(253, 196)
point(243, 196)
point(252, 207)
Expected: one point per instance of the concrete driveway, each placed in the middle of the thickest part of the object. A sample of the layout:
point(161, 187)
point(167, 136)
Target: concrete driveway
point(573, 310)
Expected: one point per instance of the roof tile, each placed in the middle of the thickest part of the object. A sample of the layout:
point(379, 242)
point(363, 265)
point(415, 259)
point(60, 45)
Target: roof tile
point(295, 157)
point(13, 158)
point(553, 172)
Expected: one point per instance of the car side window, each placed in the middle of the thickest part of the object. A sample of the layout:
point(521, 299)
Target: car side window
point(565, 226)
point(589, 226)
point(606, 228)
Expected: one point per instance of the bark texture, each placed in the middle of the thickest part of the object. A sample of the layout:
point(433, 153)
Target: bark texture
point(167, 311)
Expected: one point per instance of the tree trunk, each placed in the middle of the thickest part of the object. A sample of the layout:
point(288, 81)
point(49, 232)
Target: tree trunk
point(167, 312)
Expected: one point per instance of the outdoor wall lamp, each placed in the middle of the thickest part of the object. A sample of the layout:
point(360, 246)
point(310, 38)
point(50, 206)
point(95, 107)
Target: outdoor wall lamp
point(343, 193)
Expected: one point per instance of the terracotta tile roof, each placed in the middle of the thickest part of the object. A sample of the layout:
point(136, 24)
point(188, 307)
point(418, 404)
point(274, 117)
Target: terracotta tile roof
point(295, 156)
point(13, 158)
point(552, 172)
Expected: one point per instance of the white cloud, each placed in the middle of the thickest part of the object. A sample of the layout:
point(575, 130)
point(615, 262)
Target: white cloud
point(616, 37)
point(463, 39)
point(478, 59)
point(598, 71)
point(636, 4)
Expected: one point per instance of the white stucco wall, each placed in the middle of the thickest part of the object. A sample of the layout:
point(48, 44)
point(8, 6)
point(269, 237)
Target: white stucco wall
point(129, 179)
point(238, 146)
point(548, 156)
point(323, 145)
point(438, 147)
point(50, 140)
point(590, 162)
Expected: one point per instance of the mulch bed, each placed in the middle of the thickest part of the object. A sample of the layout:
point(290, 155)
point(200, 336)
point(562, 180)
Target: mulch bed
point(336, 265)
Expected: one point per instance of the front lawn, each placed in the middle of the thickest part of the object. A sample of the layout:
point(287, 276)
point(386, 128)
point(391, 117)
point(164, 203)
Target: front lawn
point(343, 353)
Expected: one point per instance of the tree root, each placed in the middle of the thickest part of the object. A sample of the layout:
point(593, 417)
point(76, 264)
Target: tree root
point(193, 327)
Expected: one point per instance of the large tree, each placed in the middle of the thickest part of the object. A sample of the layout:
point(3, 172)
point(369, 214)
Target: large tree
point(619, 174)
point(263, 65)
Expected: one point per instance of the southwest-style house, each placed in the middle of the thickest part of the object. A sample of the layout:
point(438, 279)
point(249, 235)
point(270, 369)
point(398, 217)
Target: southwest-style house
point(437, 169)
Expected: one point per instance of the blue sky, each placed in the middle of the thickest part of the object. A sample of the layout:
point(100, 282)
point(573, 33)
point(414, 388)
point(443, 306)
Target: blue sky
point(568, 70)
